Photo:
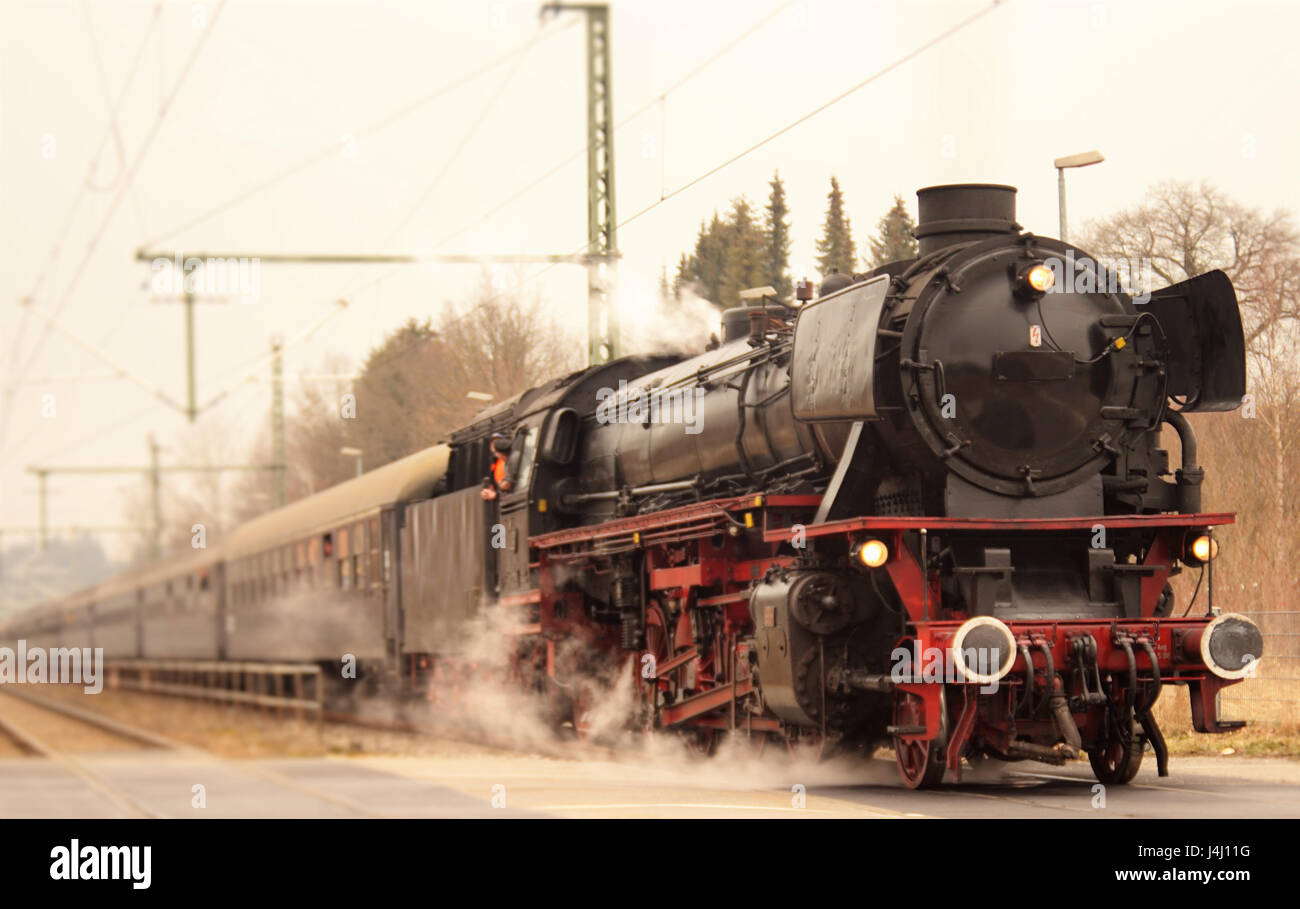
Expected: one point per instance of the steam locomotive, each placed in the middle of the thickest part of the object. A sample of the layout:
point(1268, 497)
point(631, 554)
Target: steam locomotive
point(929, 509)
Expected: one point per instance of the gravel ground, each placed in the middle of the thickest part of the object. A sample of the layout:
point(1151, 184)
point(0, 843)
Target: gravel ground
point(244, 732)
point(58, 732)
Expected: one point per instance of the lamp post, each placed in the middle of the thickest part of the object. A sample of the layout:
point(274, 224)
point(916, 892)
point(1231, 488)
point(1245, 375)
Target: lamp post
point(1061, 164)
point(349, 452)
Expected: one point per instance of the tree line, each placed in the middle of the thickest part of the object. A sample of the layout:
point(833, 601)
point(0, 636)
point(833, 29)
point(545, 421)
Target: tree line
point(743, 248)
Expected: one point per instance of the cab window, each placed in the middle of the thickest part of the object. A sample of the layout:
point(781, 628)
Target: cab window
point(525, 444)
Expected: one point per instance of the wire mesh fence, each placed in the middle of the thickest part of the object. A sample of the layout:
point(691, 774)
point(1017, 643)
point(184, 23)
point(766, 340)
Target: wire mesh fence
point(1272, 695)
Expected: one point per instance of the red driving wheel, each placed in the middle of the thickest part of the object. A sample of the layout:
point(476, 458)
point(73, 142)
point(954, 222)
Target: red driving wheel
point(921, 764)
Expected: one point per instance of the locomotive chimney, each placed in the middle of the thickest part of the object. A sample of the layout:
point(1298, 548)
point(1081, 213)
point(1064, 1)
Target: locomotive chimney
point(963, 212)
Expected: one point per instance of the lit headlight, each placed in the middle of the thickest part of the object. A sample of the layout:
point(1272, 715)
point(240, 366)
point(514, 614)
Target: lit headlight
point(1231, 646)
point(983, 650)
point(1203, 548)
point(1037, 279)
point(872, 553)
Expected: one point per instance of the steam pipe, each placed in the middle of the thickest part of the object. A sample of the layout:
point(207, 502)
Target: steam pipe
point(1049, 676)
point(1155, 673)
point(1065, 723)
point(1130, 690)
point(1028, 696)
point(1189, 477)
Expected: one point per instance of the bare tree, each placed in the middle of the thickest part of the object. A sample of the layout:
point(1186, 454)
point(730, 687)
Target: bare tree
point(413, 390)
point(1181, 230)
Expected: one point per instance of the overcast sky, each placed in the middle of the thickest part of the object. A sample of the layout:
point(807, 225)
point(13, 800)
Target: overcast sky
point(1186, 90)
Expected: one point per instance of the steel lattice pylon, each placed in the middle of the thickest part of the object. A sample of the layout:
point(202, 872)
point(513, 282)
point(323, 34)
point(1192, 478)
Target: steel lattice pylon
point(602, 317)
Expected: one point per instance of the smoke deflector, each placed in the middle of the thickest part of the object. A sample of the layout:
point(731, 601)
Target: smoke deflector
point(834, 337)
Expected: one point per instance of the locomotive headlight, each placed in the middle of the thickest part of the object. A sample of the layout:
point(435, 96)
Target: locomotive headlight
point(1230, 646)
point(1038, 278)
point(1204, 548)
point(872, 553)
point(983, 650)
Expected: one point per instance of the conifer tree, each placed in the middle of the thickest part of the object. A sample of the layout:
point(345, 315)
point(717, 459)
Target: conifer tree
point(893, 241)
point(746, 254)
point(777, 264)
point(835, 249)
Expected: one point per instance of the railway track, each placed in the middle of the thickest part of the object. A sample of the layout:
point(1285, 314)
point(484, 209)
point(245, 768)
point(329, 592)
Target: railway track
point(125, 803)
point(28, 741)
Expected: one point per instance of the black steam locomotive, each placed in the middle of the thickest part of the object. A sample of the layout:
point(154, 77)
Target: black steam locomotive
point(930, 508)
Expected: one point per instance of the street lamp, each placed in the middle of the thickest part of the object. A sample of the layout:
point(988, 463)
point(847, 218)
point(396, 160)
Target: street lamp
point(349, 452)
point(1080, 160)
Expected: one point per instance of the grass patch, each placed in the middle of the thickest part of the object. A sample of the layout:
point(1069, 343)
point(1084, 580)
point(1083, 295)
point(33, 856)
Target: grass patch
point(1272, 730)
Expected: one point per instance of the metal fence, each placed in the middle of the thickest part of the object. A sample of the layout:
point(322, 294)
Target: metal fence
point(1273, 694)
point(292, 686)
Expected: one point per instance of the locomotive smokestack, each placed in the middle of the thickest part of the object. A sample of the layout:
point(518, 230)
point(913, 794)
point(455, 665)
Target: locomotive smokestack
point(963, 212)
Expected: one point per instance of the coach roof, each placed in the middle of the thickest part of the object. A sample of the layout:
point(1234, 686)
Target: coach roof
point(413, 477)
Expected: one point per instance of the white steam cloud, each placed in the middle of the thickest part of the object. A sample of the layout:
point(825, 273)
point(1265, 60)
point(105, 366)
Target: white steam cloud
point(649, 324)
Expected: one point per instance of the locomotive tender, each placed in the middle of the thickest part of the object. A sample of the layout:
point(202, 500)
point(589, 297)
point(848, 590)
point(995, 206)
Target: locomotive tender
point(929, 508)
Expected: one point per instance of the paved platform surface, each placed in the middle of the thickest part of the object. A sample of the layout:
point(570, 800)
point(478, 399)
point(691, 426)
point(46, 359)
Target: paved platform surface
point(159, 783)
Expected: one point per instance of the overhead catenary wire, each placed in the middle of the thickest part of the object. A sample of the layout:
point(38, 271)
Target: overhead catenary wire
point(395, 116)
point(466, 137)
point(128, 180)
point(517, 54)
point(340, 301)
point(332, 147)
point(657, 100)
point(65, 228)
point(110, 131)
point(664, 197)
point(915, 52)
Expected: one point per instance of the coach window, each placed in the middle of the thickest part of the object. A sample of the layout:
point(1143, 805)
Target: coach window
point(359, 555)
point(372, 540)
point(387, 548)
point(343, 541)
point(313, 561)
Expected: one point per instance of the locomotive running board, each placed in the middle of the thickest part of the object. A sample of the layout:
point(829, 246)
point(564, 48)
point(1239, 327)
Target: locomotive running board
point(1111, 522)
